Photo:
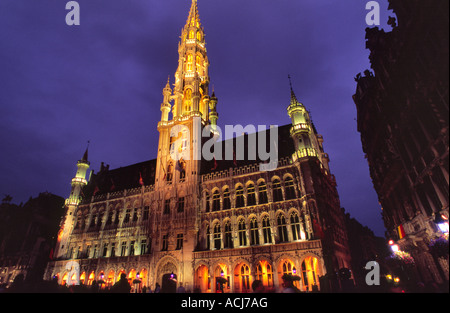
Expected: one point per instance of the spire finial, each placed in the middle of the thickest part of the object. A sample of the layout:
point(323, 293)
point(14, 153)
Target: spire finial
point(293, 97)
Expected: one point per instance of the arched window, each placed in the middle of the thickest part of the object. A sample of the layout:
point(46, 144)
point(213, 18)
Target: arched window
point(289, 268)
point(277, 193)
point(217, 237)
point(245, 276)
point(188, 99)
point(242, 233)
point(282, 230)
point(310, 272)
point(251, 197)
point(189, 62)
point(228, 235)
point(226, 199)
point(289, 188)
point(216, 200)
point(191, 34)
point(267, 233)
point(262, 192)
point(169, 173)
point(295, 226)
point(199, 36)
point(254, 234)
point(239, 197)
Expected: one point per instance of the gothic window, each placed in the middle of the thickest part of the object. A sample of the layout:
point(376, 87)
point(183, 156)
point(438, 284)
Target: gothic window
point(217, 237)
point(167, 206)
point(262, 192)
point(105, 250)
point(251, 197)
point(189, 62)
point(239, 197)
point(289, 268)
point(228, 235)
point(267, 233)
point(191, 34)
point(100, 220)
point(277, 193)
point(245, 276)
point(123, 249)
point(113, 249)
point(188, 99)
point(179, 241)
point(146, 212)
point(216, 200)
point(282, 230)
point(254, 234)
point(226, 199)
point(169, 173)
point(289, 188)
point(110, 218)
point(135, 215)
point(295, 226)
point(180, 205)
point(199, 36)
point(132, 252)
point(165, 243)
point(242, 233)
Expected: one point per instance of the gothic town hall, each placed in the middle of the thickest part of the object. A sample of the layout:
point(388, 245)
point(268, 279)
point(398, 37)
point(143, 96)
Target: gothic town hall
point(209, 224)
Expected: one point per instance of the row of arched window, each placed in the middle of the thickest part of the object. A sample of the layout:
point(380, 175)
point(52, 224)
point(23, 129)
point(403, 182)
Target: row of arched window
point(254, 232)
point(251, 195)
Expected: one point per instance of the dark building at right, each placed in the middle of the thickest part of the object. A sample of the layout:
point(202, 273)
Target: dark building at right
point(402, 113)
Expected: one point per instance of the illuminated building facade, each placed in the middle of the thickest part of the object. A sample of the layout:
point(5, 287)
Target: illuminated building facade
point(403, 121)
point(201, 220)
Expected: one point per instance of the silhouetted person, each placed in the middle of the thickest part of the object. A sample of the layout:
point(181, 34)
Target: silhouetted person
point(258, 286)
point(122, 286)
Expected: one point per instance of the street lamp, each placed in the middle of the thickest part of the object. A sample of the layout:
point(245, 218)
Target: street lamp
point(442, 222)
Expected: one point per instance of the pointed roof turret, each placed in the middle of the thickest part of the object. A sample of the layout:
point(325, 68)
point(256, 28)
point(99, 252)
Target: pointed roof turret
point(84, 159)
point(194, 17)
point(294, 100)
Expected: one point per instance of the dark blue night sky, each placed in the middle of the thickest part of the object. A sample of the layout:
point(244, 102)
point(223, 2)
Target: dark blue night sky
point(102, 81)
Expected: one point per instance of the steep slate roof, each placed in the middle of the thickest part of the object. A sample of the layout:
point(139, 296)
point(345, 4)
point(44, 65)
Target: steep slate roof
point(128, 177)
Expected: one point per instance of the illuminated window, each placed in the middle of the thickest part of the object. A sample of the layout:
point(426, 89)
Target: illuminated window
point(191, 34)
point(189, 62)
point(187, 100)
point(199, 36)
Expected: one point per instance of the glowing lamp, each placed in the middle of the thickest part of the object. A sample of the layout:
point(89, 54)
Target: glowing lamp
point(442, 223)
point(394, 248)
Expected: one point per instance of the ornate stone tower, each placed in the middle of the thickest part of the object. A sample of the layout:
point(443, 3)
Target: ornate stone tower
point(185, 110)
point(78, 182)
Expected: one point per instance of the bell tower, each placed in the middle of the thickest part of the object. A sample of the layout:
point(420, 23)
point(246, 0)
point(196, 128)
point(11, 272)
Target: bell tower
point(186, 108)
point(71, 204)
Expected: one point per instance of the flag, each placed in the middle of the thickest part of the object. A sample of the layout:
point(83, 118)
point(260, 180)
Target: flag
point(141, 181)
point(401, 232)
point(215, 164)
point(112, 185)
point(318, 230)
point(96, 190)
point(51, 254)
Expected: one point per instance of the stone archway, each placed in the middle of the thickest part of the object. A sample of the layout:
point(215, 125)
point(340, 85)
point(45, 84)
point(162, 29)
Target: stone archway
point(167, 271)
